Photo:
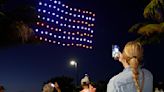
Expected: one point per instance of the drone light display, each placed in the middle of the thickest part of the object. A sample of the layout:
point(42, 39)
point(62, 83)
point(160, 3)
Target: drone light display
point(63, 25)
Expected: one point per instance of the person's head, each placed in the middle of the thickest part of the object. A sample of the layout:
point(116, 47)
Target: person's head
point(48, 88)
point(2, 89)
point(85, 81)
point(133, 54)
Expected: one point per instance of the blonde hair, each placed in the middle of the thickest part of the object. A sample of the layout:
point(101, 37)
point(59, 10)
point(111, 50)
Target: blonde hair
point(133, 53)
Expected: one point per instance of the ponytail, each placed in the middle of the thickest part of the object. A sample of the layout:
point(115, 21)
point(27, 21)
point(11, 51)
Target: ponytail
point(134, 63)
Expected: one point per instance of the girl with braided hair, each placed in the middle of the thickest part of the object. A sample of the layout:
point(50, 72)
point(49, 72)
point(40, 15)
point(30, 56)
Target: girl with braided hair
point(133, 78)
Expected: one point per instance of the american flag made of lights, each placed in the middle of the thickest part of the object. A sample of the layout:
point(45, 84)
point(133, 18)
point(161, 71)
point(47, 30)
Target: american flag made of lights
point(63, 25)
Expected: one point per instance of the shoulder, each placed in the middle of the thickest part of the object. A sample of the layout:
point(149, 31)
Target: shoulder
point(112, 86)
point(147, 73)
point(122, 78)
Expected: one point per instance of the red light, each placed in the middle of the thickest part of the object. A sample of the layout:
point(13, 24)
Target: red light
point(54, 41)
point(52, 28)
point(56, 29)
point(78, 21)
point(42, 24)
point(79, 10)
point(37, 23)
point(94, 15)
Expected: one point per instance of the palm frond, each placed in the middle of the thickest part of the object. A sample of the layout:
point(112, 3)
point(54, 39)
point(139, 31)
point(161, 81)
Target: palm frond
point(2, 14)
point(150, 29)
point(136, 27)
point(24, 32)
point(149, 33)
point(150, 40)
point(155, 10)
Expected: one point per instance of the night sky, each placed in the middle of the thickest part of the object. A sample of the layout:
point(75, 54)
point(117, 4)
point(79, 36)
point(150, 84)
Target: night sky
point(24, 68)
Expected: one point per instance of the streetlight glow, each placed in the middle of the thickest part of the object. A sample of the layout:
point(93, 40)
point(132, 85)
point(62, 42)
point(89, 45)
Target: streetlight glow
point(73, 63)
